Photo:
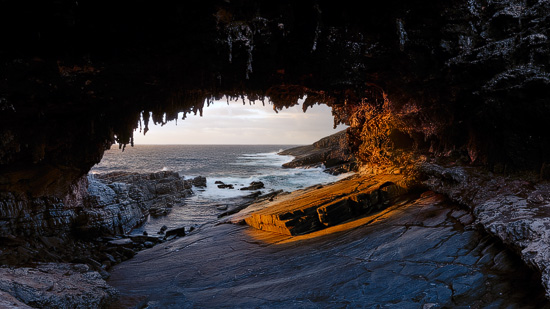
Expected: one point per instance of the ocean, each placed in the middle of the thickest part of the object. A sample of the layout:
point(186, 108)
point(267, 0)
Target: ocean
point(238, 165)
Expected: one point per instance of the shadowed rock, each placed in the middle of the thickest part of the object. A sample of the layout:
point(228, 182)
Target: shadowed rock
point(199, 181)
point(56, 286)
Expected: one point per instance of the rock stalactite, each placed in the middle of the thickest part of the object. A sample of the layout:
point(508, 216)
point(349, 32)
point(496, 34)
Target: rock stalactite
point(467, 80)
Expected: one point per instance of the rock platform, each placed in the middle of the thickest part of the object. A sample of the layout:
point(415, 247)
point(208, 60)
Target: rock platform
point(417, 253)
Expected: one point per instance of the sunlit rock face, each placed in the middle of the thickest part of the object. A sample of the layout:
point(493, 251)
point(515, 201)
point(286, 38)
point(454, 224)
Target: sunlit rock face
point(466, 80)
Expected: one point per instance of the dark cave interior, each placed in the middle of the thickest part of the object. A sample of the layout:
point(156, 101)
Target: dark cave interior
point(465, 81)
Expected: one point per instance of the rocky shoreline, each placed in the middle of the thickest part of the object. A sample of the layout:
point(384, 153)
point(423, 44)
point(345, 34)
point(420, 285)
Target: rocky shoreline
point(35, 272)
point(96, 238)
point(355, 260)
point(514, 208)
point(511, 209)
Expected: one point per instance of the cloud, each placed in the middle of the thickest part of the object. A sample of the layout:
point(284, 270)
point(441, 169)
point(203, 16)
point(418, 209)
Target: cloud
point(245, 124)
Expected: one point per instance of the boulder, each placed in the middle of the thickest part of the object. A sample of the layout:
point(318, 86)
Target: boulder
point(222, 185)
point(176, 232)
point(199, 181)
point(255, 185)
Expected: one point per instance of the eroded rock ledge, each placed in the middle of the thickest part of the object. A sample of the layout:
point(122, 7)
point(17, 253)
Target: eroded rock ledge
point(516, 209)
point(326, 206)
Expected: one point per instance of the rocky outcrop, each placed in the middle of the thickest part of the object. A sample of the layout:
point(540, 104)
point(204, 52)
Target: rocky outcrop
point(74, 229)
point(514, 209)
point(523, 223)
point(222, 185)
point(331, 152)
point(299, 213)
point(255, 185)
point(199, 181)
point(119, 201)
point(112, 204)
point(54, 286)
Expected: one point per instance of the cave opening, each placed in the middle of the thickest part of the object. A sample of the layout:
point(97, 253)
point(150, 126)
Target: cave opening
point(229, 152)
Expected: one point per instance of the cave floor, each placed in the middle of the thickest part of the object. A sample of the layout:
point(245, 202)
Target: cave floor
point(423, 252)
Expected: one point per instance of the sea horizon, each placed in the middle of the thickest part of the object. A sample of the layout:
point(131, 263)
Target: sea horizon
point(215, 145)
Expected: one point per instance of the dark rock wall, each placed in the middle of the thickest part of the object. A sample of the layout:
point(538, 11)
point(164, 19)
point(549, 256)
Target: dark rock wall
point(467, 80)
point(111, 204)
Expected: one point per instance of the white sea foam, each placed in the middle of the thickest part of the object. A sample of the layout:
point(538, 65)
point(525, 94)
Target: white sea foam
point(231, 164)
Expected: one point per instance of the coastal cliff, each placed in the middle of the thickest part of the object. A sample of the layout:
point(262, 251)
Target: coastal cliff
point(330, 152)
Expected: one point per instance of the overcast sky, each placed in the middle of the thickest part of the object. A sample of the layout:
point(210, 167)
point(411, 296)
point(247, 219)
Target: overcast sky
point(244, 124)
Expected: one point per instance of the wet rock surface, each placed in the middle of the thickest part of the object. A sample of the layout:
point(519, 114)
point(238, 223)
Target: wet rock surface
point(425, 252)
point(222, 185)
point(255, 185)
point(54, 286)
point(513, 209)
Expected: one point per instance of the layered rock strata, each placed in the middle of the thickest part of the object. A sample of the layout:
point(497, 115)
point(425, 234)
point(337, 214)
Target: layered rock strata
point(119, 201)
point(298, 213)
point(102, 205)
point(112, 204)
point(514, 210)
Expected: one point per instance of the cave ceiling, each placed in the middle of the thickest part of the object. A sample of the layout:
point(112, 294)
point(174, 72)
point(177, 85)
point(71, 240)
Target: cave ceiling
point(467, 77)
